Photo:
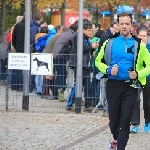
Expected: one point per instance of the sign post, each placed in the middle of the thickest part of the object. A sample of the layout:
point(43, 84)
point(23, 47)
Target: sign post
point(25, 100)
point(78, 97)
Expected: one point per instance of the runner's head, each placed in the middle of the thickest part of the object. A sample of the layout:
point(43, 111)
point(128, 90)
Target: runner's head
point(124, 23)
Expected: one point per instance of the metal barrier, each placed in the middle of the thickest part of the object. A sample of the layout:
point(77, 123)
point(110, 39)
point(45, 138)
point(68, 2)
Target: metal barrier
point(55, 91)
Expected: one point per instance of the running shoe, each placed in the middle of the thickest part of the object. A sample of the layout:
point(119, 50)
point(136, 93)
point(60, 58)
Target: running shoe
point(112, 145)
point(134, 129)
point(147, 127)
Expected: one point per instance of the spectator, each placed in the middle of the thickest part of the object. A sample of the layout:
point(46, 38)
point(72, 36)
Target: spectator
point(9, 40)
point(87, 48)
point(39, 78)
point(108, 33)
point(135, 26)
point(34, 29)
point(60, 54)
point(43, 24)
point(35, 26)
point(48, 49)
point(89, 19)
point(99, 33)
point(18, 44)
point(52, 32)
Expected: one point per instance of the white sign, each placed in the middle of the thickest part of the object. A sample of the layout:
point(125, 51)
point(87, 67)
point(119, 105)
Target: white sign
point(41, 64)
point(73, 19)
point(19, 61)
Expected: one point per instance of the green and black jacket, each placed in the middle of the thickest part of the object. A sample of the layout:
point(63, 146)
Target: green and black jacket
point(141, 58)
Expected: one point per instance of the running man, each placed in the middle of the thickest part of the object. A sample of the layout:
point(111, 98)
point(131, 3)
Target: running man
point(121, 58)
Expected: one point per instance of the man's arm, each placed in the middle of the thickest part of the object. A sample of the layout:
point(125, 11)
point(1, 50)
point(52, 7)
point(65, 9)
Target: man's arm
point(98, 61)
point(33, 32)
point(89, 48)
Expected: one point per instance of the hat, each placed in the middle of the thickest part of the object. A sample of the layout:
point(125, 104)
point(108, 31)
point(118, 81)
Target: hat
point(50, 27)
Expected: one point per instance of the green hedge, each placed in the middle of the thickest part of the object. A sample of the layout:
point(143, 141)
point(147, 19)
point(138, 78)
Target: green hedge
point(11, 15)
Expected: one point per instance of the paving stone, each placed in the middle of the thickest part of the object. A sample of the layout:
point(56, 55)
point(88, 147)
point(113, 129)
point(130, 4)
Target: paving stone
point(41, 130)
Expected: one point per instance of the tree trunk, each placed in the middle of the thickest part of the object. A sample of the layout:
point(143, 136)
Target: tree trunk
point(22, 9)
point(137, 9)
point(97, 17)
point(112, 12)
point(34, 7)
point(136, 16)
point(3, 16)
point(63, 13)
point(92, 7)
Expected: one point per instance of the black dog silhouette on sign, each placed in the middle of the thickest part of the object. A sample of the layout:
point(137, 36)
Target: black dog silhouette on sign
point(41, 63)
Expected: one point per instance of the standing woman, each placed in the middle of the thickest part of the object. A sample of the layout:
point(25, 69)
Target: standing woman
point(143, 35)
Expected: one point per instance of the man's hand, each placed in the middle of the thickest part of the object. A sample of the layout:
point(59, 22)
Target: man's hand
point(132, 74)
point(95, 45)
point(114, 70)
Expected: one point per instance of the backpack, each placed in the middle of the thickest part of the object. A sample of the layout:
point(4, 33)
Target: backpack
point(4, 46)
point(9, 36)
point(41, 43)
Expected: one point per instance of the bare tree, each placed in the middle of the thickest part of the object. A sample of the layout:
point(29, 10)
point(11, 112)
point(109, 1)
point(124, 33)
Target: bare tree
point(3, 16)
point(34, 7)
point(22, 7)
point(62, 9)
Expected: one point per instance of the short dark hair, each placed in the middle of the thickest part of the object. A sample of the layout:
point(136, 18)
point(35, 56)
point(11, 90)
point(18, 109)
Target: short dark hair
point(74, 27)
point(58, 27)
point(38, 16)
point(124, 14)
point(64, 29)
point(112, 24)
point(44, 30)
point(87, 25)
point(142, 28)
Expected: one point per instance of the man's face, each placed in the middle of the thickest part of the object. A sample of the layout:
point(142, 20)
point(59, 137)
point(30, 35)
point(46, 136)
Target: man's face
point(44, 25)
point(125, 25)
point(114, 29)
point(88, 32)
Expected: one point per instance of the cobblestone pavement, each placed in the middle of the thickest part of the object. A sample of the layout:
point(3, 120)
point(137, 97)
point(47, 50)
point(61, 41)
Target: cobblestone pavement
point(61, 131)
point(47, 126)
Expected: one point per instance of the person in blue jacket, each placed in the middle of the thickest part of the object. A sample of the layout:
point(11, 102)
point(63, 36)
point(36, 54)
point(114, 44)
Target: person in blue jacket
point(135, 121)
point(125, 60)
point(34, 29)
point(35, 26)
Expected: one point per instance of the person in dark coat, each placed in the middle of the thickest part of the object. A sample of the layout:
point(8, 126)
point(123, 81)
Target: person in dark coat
point(88, 48)
point(18, 43)
point(108, 33)
point(61, 52)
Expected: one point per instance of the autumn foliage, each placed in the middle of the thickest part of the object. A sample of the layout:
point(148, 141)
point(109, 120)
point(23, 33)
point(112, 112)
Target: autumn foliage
point(74, 4)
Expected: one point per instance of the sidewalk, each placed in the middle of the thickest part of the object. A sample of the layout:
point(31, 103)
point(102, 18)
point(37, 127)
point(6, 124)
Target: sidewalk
point(61, 131)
